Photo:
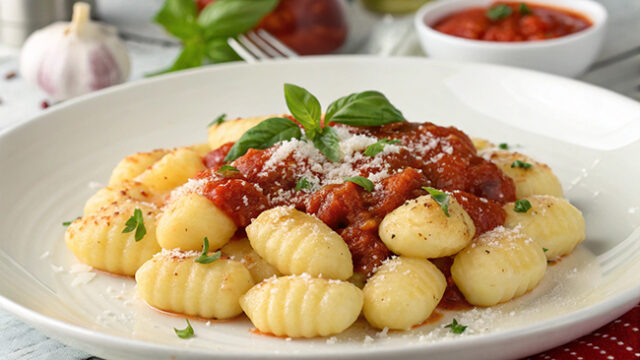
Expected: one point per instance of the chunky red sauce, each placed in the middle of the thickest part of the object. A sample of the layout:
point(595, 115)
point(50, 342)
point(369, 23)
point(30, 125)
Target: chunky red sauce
point(428, 155)
point(542, 23)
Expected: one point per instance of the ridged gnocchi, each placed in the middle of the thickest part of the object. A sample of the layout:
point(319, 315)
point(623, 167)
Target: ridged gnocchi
point(295, 242)
point(172, 170)
point(402, 293)
point(97, 238)
point(231, 130)
point(134, 165)
point(173, 281)
point(126, 190)
point(538, 179)
point(553, 222)
point(498, 266)
point(420, 228)
point(241, 250)
point(188, 219)
point(302, 306)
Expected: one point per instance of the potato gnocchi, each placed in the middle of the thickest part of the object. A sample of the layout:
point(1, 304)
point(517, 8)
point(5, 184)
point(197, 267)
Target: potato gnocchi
point(305, 235)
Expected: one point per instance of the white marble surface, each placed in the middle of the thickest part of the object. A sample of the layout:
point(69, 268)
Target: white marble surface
point(618, 69)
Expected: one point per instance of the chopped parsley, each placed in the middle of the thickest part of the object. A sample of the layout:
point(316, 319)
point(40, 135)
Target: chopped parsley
point(520, 164)
point(498, 12)
point(522, 206)
point(205, 258)
point(456, 327)
point(361, 181)
point(67, 223)
point(524, 9)
point(545, 249)
point(441, 198)
point(219, 120)
point(303, 183)
point(376, 148)
point(186, 332)
point(136, 222)
point(504, 146)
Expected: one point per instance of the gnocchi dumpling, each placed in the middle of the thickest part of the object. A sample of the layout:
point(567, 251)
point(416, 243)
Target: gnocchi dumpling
point(232, 130)
point(172, 170)
point(188, 219)
point(553, 222)
point(498, 266)
point(134, 165)
point(295, 243)
point(529, 176)
point(126, 190)
point(201, 149)
point(173, 281)
point(302, 306)
point(402, 293)
point(420, 228)
point(241, 250)
point(481, 144)
point(97, 238)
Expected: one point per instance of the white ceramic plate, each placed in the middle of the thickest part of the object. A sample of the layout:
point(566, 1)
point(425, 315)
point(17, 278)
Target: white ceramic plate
point(590, 137)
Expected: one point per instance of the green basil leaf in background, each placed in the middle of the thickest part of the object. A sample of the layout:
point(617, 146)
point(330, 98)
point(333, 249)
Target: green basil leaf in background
point(368, 108)
point(499, 11)
point(328, 143)
point(361, 181)
point(304, 107)
point(178, 17)
point(264, 135)
point(190, 57)
point(377, 147)
point(226, 18)
point(218, 51)
point(524, 9)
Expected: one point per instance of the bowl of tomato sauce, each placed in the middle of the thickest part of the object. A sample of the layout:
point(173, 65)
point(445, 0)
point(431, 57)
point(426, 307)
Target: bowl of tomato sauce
point(562, 37)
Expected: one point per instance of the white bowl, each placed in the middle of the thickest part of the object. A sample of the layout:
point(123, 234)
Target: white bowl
point(569, 55)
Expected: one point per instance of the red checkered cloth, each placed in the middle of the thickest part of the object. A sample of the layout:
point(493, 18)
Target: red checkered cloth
point(619, 340)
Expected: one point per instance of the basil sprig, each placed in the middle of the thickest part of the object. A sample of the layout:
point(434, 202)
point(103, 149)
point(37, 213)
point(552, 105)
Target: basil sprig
point(204, 257)
point(456, 327)
point(136, 222)
point(186, 332)
point(522, 206)
point(302, 184)
point(219, 120)
point(204, 36)
point(361, 181)
point(524, 9)
point(369, 108)
point(441, 198)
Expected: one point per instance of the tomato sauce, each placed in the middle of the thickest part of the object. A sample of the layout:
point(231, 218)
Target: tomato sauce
point(529, 22)
point(427, 155)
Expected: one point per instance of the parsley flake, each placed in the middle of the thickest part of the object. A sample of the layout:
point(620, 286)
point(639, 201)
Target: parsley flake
point(520, 164)
point(136, 222)
point(67, 223)
point(545, 249)
point(524, 9)
point(376, 148)
point(219, 120)
point(186, 332)
point(303, 183)
point(504, 146)
point(498, 12)
point(456, 327)
point(361, 181)
point(441, 198)
point(522, 206)
point(205, 258)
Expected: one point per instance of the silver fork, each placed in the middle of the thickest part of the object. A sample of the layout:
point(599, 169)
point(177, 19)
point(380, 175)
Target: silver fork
point(259, 45)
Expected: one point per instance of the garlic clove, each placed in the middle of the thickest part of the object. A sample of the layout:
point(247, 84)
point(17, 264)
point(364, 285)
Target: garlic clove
point(70, 59)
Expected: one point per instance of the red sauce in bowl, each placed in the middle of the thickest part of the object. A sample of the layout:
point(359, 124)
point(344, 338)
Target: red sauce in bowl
point(513, 21)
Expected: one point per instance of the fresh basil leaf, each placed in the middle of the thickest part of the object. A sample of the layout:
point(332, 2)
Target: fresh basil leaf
point(524, 9)
point(503, 146)
point(328, 144)
point(178, 17)
point(545, 249)
point(302, 184)
point(361, 181)
point(522, 206)
point(369, 108)
point(441, 198)
point(136, 222)
point(304, 107)
point(205, 258)
point(456, 327)
point(186, 332)
point(378, 147)
point(498, 12)
point(228, 171)
point(218, 51)
point(190, 57)
point(226, 18)
point(520, 164)
point(219, 120)
point(264, 135)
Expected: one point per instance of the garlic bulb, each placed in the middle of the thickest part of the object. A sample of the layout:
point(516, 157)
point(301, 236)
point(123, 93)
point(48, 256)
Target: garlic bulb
point(70, 59)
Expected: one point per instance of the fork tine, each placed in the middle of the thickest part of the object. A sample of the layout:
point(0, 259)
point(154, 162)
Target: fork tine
point(263, 45)
point(277, 44)
point(257, 52)
point(241, 51)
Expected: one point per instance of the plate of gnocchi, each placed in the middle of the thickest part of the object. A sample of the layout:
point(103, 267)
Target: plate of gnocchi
point(331, 207)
